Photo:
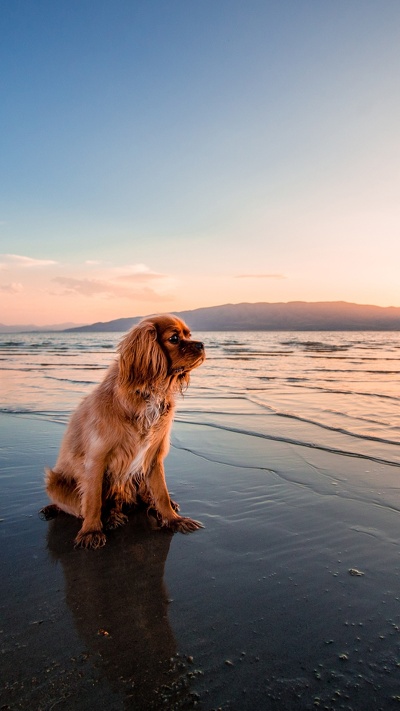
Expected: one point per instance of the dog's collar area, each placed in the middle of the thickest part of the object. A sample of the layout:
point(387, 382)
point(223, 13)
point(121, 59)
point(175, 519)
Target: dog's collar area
point(161, 406)
point(149, 397)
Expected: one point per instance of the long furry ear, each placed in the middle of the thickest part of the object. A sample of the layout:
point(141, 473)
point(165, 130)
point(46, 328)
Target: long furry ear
point(142, 362)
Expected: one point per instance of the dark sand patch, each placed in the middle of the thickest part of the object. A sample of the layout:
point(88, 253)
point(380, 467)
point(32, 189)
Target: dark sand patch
point(258, 610)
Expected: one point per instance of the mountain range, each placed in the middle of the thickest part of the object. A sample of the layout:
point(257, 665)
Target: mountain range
point(262, 316)
point(292, 316)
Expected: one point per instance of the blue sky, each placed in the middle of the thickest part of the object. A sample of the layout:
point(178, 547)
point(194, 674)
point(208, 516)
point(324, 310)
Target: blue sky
point(169, 155)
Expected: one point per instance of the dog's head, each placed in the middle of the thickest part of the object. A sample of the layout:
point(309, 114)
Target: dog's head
point(159, 350)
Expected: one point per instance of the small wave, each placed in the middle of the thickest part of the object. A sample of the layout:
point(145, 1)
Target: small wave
point(358, 417)
point(296, 442)
point(49, 415)
point(70, 380)
point(12, 344)
point(340, 430)
point(36, 346)
point(237, 357)
point(236, 349)
point(90, 367)
point(367, 358)
point(357, 370)
point(221, 460)
point(382, 372)
point(20, 369)
point(233, 343)
point(331, 357)
point(249, 355)
point(316, 345)
point(271, 354)
point(330, 428)
point(336, 391)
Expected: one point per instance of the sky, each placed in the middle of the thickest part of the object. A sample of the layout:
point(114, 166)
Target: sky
point(165, 155)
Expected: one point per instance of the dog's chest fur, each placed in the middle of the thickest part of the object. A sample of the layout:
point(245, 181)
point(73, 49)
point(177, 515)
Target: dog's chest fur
point(148, 418)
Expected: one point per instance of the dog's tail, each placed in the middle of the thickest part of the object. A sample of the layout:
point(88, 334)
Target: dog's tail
point(63, 492)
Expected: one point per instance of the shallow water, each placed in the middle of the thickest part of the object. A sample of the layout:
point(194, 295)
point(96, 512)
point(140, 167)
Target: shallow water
point(338, 391)
point(346, 381)
point(286, 447)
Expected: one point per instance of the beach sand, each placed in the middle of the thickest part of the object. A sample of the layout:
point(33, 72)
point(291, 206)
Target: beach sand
point(288, 599)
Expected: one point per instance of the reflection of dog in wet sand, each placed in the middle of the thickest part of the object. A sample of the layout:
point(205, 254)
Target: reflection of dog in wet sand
point(119, 604)
point(117, 439)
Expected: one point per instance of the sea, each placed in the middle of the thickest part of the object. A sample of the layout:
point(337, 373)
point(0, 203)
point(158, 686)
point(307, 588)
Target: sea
point(333, 391)
point(286, 446)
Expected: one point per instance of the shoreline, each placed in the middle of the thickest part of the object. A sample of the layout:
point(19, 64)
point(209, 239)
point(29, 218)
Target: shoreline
point(259, 609)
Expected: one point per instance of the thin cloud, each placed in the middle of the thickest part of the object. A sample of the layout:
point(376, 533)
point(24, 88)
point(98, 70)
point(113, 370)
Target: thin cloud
point(260, 276)
point(85, 287)
point(136, 272)
point(107, 289)
point(144, 277)
point(13, 288)
point(17, 260)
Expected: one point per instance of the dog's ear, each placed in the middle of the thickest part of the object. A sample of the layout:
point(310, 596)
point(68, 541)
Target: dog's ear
point(142, 361)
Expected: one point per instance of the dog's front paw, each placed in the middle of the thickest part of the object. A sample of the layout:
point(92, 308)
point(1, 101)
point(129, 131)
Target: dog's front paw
point(90, 539)
point(183, 524)
point(115, 519)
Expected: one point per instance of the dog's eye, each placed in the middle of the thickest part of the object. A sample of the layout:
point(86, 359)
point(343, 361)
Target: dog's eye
point(174, 339)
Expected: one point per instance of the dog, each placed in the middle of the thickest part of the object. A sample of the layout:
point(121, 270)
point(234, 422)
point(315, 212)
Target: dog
point(113, 450)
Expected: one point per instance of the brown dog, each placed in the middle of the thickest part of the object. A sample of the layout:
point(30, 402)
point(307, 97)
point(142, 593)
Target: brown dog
point(117, 439)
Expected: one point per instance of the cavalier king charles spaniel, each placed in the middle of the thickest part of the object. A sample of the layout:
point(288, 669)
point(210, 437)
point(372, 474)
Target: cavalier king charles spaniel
point(116, 441)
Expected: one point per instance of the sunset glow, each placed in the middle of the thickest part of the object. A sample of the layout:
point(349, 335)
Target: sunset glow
point(161, 157)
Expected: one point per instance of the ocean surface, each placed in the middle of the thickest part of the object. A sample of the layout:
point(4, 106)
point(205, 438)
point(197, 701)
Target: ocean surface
point(336, 391)
point(286, 446)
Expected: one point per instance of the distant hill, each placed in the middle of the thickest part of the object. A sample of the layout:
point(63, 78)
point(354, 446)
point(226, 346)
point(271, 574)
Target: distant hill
point(119, 324)
point(292, 316)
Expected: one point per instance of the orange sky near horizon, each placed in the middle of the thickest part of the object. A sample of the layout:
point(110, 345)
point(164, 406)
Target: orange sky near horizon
point(51, 294)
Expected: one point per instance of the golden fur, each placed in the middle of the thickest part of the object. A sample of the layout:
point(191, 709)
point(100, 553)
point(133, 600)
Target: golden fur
point(118, 437)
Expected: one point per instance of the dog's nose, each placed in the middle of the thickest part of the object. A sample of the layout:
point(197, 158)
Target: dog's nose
point(199, 345)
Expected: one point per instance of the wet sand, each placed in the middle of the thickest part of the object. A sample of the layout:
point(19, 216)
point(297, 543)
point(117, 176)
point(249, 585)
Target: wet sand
point(288, 599)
